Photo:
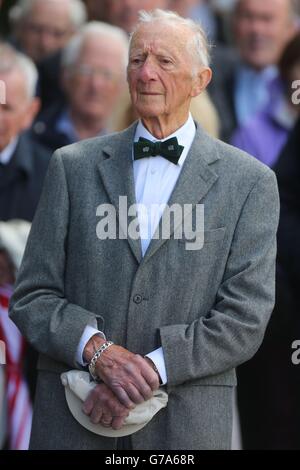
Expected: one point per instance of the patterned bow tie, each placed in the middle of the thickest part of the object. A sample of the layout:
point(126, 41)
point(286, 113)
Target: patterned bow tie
point(168, 149)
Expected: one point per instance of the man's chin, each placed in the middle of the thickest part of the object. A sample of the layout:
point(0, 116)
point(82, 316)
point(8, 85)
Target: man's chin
point(93, 115)
point(259, 61)
point(147, 113)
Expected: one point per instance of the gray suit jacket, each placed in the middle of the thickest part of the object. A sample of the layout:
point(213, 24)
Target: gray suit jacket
point(208, 309)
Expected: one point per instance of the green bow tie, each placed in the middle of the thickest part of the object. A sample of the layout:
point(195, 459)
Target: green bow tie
point(168, 149)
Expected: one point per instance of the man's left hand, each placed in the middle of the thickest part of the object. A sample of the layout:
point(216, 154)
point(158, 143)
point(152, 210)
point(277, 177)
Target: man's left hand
point(128, 375)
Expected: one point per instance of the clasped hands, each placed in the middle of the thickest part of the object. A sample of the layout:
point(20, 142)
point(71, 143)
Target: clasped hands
point(128, 379)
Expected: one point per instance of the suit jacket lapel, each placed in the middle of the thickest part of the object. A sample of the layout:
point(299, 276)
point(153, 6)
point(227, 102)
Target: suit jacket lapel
point(194, 182)
point(118, 178)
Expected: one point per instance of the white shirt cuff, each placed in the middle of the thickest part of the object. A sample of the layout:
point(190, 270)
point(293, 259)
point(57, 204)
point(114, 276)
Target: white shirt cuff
point(157, 357)
point(89, 331)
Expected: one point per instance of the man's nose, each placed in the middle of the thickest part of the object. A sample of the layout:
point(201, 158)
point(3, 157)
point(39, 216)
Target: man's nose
point(98, 81)
point(47, 42)
point(148, 71)
point(257, 26)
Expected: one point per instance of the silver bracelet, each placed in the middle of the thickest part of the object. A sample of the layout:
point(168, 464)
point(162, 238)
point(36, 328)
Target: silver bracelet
point(92, 364)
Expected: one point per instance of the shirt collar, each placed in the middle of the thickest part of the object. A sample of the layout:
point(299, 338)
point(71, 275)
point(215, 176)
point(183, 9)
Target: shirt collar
point(65, 126)
point(185, 136)
point(267, 74)
point(7, 153)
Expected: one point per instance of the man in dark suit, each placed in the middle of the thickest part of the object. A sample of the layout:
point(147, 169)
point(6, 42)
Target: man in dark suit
point(23, 163)
point(269, 384)
point(288, 174)
point(21, 180)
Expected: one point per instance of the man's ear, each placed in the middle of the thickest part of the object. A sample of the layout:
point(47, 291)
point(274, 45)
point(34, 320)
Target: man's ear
point(202, 80)
point(32, 109)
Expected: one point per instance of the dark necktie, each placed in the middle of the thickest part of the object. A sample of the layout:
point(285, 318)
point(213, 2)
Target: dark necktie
point(169, 149)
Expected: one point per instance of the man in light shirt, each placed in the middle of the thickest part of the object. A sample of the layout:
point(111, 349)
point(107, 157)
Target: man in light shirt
point(150, 310)
point(261, 30)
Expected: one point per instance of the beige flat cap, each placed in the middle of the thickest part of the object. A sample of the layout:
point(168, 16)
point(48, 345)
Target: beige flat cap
point(78, 385)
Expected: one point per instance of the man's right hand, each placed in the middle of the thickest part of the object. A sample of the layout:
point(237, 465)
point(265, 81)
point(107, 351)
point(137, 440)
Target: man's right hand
point(128, 375)
point(103, 407)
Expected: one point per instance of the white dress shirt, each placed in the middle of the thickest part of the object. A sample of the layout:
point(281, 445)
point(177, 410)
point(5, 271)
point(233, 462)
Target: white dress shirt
point(7, 153)
point(155, 179)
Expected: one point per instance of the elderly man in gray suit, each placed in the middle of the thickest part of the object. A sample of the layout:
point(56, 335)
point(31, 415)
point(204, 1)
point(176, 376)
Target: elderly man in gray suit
point(181, 313)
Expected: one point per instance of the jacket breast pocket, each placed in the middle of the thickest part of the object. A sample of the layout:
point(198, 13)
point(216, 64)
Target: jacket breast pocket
point(199, 241)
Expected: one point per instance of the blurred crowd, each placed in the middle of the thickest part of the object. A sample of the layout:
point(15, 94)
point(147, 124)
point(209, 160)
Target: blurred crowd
point(63, 63)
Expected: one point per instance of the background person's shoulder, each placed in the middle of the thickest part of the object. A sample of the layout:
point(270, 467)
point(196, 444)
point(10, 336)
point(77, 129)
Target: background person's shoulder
point(241, 164)
point(93, 150)
point(85, 148)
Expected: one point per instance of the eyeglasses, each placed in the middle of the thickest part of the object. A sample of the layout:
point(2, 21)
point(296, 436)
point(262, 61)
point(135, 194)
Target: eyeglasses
point(38, 30)
point(86, 71)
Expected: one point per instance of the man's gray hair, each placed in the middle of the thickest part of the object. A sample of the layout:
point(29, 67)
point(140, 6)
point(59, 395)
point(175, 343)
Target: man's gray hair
point(10, 60)
point(23, 9)
point(72, 50)
point(199, 44)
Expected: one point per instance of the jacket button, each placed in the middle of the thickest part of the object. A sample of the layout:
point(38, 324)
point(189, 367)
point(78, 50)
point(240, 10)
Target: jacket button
point(137, 299)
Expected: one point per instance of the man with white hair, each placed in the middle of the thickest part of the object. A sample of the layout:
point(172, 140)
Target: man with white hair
point(124, 14)
point(23, 163)
point(181, 300)
point(42, 27)
point(93, 74)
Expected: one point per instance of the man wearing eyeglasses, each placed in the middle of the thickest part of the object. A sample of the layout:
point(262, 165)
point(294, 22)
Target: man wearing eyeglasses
point(42, 27)
point(93, 76)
